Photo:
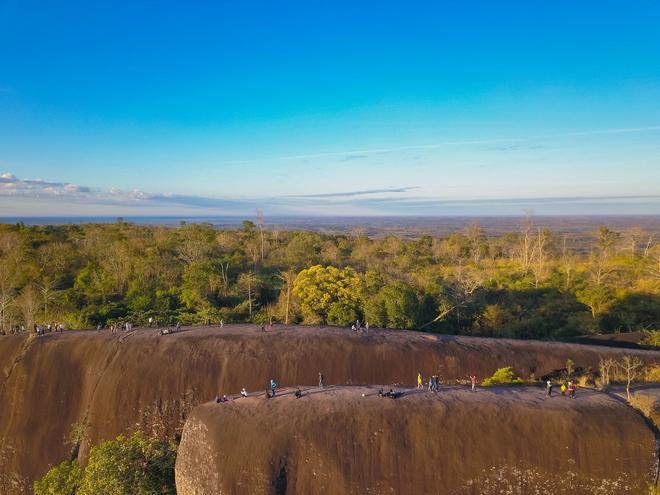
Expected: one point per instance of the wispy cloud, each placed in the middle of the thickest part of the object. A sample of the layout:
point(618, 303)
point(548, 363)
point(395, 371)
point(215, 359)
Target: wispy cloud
point(497, 144)
point(622, 130)
point(349, 158)
point(515, 147)
point(377, 201)
point(355, 193)
point(365, 153)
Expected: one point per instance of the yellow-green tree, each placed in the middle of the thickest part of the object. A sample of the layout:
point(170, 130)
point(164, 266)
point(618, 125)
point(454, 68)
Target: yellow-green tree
point(329, 294)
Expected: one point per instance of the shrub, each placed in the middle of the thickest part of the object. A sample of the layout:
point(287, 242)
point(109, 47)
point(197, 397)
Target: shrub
point(61, 480)
point(135, 465)
point(503, 376)
point(651, 338)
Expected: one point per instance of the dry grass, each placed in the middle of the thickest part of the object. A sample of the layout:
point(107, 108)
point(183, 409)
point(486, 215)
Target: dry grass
point(643, 403)
point(584, 381)
point(652, 373)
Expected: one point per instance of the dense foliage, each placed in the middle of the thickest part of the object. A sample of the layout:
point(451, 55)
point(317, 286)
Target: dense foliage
point(503, 376)
point(527, 284)
point(61, 480)
point(135, 465)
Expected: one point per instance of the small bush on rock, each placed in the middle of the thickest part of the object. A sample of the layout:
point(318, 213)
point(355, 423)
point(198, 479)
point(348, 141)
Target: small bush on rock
point(503, 376)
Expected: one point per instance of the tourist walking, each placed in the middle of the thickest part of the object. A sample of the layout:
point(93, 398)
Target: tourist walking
point(273, 386)
point(473, 382)
point(321, 380)
point(419, 380)
point(548, 388)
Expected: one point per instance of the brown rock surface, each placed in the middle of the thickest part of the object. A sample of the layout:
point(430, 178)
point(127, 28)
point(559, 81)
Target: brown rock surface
point(334, 441)
point(116, 383)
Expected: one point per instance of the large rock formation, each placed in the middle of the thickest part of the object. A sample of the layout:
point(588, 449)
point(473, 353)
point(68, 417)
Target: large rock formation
point(100, 385)
point(336, 441)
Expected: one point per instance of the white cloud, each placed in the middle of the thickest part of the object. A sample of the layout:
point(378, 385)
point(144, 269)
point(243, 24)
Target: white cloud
point(7, 177)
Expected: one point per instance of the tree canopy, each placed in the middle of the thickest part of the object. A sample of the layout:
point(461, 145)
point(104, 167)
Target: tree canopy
point(529, 283)
point(134, 465)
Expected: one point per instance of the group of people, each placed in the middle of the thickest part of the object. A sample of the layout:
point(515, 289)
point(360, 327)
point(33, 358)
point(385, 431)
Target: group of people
point(126, 327)
point(43, 329)
point(433, 386)
point(434, 383)
point(271, 391)
point(391, 394)
point(570, 387)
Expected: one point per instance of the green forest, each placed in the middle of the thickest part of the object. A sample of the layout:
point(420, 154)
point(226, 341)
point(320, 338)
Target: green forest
point(532, 283)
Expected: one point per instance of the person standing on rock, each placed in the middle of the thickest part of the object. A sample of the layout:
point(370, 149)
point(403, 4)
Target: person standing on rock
point(419, 380)
point(222, 323)
point(473, 381)
point(273, 386)
point(571, 390)
point(321, 380)
point(548, 388)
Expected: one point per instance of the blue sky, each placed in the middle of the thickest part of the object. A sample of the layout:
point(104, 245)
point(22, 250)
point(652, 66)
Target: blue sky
point(338, 108)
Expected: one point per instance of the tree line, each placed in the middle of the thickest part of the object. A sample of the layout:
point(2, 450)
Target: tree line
point(532, 283)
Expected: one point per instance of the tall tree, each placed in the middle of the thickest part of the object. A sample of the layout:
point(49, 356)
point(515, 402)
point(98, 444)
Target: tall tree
point(249, 283)
point(47, 288)
point(288, 278)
